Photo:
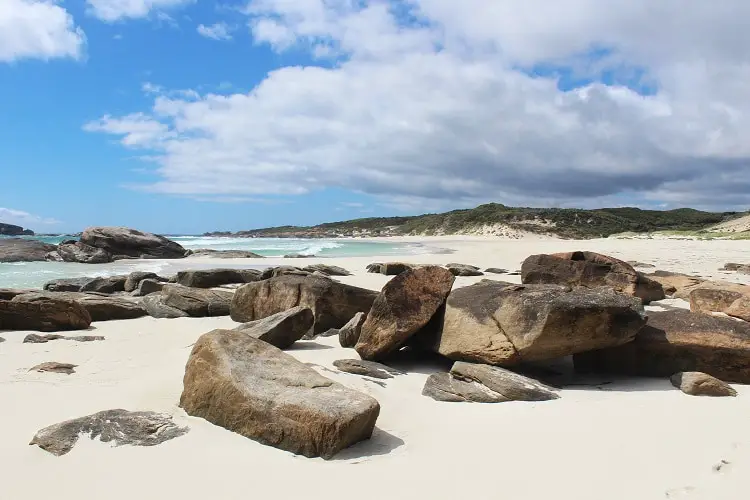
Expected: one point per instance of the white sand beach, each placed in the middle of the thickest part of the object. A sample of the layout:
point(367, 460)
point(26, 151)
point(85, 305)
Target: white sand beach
point(615, 438)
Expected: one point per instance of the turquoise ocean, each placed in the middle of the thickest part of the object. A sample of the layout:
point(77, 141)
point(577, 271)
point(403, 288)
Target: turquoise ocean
point(35, 274)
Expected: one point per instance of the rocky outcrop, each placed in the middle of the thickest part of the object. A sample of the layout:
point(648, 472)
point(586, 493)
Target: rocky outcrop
point(43, 339)
point(67, 284)
point(701, 384)
point(23, 250)
point(327, 269)
point(273, 272)
point(54, 367)
point(350, 332)
point(404, 306)
point(134, 280)
point(211, 278)
point(675, 284)
point(197, 302)
point(589, 270)
point(155, 307)
point(101, 307)
point(366, 368)
point(225, 254)
point(76, 251)
point(740, 308)
point(504, 324)
point(389, 268)
point(333, 304)
point(281, 329)
point(148, 286)
point(477, 383)
point(109, 284)
point(250, 387)
point(121, 427)
point(463, 270)
point(122, 242)
point(44, 315)
point(716, 297)
point(13, 230)
point(678, 341)
point(9, 293)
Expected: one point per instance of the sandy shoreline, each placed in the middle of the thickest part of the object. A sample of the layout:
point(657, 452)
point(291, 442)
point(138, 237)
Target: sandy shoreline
point(634, 439)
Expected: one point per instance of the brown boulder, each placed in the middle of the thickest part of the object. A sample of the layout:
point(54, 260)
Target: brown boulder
point(101, 307)
point(589, 270)
point(404, 306)
point(254, 389)
point(505, 324)
point(134, 279)
point(332, 303)
point(676, 284)
point(82, 253)
point(211, 278)
point(350, 332)
point(701, 384)
point(54, 367)
point(366, 368)
point(281, 329)
point(740, 308)
point(44, 315)
point(122, 242)
point(716, 297)
point(678, 341)
point(197, 302)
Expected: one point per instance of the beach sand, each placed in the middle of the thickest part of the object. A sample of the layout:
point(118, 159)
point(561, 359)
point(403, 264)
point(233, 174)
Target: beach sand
point(616, 438)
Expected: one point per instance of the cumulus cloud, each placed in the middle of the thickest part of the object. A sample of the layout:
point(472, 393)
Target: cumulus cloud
point(38, 29)
point(116, 10)
point(218, 31)
point(23, 219)
point(441, 103)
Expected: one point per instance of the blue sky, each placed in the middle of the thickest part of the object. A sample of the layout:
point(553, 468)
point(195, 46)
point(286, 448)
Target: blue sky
point(186, 116)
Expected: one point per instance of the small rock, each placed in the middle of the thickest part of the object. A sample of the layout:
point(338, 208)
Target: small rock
point(740, 308)
point(642, 265)
point(2, 340)
point(464, 270)
point(138, 428)
point(54, 366)
point(367, 368)
point(282, 329)
point(225, 254)
point(350, 332)
point(496, 270)
point(298, 256)
point(272, 272)
point(701, 384)
point(444, 387)
point(147, 287)
point(389, 268)
point(43, 339)
point(328, 270)
point(134, 279)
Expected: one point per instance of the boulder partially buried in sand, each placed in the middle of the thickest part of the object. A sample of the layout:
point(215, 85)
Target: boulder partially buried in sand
point(678, 341)
point(101, 307)
point(123, 242)
point(404, 306)
point(590, 270)
point(281, 329)
point(253, 388)
point(701, 384)
point(505, 324)
point(43, 315)
point(333, 304)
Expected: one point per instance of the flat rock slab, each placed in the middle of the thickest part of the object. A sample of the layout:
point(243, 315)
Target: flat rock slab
point(253, 388)
point(496, 270)
point(121, 427)
point(282, 329)
point(366, 368)
point(445, 387)
point(701, 384)
point(55, 367)
point(43, 339)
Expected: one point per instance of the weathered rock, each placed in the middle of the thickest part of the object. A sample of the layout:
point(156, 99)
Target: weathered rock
point(13, 230)
point(444, 387)
point(250, 387)
point(332, 303)
point(701, 384)
point(80, 252)
point(109, 284)
point(350, 332)
point(715, 297)
point(47, 315)
point(225, 254)
point(33, 338)
point(463, 270)
point(55, 367)
point(375, 267)
point(281, 329)
point(211, 278)
point(9, 293)
point(366, 368)
point(641, 265)
point(101, 307)
point(496, 270)
point(389, 268)
point(740, 308)
point(505, 324)
point(273, 272)
point(2, 340)
point(155, 307)
point(124, 242)
point(328, 270)
point(197, 302)
point(298, 256)
point(589, 270)
point(735, 267)
point(122, 427)
point(148, 286)
point(678, 341)
point(23, 250)
point(67, 284)
point(676, 284)
point(404, 306)
point(134, 279)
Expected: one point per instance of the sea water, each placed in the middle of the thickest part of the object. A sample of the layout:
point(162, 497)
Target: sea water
point(35, 274)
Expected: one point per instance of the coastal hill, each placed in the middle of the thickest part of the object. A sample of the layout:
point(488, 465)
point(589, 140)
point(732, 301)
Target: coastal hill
point(497, 219)
point(13, 230)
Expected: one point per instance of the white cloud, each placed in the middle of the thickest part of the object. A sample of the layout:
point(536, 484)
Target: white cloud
point(440, 112)
point(38, 29)
point(116, 10)
point(24, 219)
point(218, 31)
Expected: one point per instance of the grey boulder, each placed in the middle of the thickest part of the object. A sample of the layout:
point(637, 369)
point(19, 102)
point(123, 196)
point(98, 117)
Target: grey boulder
point(350, 332)
point(211, 278)
point(124, 242)
point(366, 368)
point(281, 329)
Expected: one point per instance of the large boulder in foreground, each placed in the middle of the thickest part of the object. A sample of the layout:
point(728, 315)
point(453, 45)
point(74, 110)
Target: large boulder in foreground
point(197, 302)
point(332, 303)
point(404, 306)
point(101, 307)
point(44, 315)
point(76, 251)
point(211, 278)
point(590, 270)
point(505, 324)
point(250, 387)
point(678, 341)
point(281, 329)
point(476, 383)
point(123, 242)
point(701, 384)
point(121, 427)
point(23, 250)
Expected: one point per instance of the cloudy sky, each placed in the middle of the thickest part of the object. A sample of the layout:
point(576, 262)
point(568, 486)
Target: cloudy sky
point(193, 115)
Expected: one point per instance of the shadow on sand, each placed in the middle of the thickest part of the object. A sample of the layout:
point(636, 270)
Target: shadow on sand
point(381, 443)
